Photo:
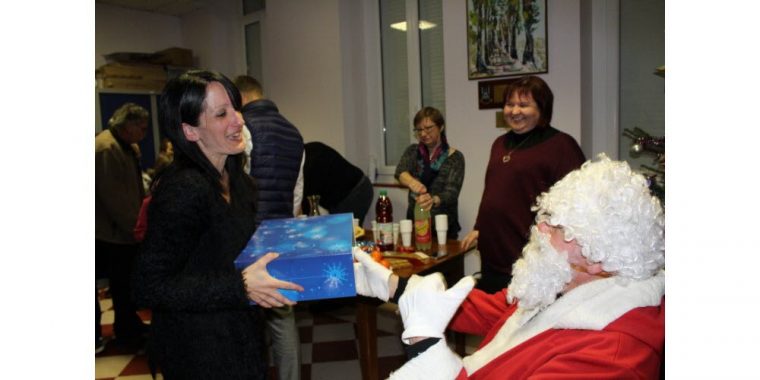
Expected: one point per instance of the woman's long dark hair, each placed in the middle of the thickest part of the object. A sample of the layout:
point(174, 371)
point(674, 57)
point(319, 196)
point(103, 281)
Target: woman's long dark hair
point(182, 101)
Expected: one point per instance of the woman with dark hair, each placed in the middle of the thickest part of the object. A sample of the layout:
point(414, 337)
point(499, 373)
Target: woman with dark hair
point(432, 170)
point(201, 216)
point(524, 162)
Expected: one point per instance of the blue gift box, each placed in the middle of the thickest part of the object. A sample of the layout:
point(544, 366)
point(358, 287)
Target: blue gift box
point(315, 252)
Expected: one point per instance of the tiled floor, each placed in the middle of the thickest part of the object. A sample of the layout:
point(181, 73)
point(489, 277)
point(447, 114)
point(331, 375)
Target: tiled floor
point(329, 348)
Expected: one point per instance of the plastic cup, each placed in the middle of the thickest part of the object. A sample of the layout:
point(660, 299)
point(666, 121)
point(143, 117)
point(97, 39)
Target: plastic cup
point(441, 222)
point(396, 229)
point(375, 232)
point(406, 239)
point(441, 227)
point(441, 237)
point(405, 226)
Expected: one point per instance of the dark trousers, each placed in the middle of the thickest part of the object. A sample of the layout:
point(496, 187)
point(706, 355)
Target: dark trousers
point(98, 332)
point(115, 261)
point(357, 201)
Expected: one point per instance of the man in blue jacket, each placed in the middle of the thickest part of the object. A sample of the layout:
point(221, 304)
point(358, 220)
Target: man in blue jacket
point(276, 163)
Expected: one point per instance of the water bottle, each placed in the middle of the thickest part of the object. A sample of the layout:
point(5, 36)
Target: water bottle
point(384, 212)
point(313, 205)
point(423, 236)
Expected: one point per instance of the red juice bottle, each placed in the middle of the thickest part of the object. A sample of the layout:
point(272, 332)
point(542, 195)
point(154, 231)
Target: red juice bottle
point(384, 212)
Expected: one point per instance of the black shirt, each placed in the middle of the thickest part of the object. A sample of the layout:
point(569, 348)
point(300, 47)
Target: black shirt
point(327, 174)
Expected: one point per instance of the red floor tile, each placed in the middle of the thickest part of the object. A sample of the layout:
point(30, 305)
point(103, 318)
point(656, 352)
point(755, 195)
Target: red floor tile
point(138, 366)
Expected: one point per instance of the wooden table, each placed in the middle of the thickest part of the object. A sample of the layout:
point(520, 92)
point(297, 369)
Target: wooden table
point(448, 259)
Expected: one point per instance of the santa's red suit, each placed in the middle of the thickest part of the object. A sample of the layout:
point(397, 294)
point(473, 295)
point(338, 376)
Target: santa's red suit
point(604, 329)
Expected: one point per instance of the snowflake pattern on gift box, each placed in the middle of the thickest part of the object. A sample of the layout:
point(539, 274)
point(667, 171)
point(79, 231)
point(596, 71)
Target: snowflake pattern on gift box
point(335, 275)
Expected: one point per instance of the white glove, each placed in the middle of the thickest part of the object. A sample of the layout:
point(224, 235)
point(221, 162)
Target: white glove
point(437, 362)
point(371, 277)
point(427, 307)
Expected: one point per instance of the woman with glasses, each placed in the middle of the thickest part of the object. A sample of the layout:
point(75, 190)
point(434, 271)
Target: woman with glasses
point(524, 162)
point(432, 170)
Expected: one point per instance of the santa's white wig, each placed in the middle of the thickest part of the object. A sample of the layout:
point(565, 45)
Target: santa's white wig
point(609, 210)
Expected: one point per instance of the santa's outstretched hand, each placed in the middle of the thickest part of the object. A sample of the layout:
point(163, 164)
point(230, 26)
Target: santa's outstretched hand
point(427, 307)
point(371, 277)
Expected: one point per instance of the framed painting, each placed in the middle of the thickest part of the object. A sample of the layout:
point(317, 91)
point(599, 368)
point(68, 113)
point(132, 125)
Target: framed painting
point(491, 92)
point(506, 38)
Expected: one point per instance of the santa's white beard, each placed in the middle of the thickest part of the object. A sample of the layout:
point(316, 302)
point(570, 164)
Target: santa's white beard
point(540, 274)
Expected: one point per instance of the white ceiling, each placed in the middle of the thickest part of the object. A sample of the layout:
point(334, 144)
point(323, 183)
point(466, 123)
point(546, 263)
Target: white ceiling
point(167, 7)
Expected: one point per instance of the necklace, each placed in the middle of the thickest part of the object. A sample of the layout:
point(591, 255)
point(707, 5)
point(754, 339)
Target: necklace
point(508, 156)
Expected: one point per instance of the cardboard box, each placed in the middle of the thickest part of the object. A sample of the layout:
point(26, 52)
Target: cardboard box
point(174, 57)
point(128, 57)
point(132, 84)
point(315, 252)
point(131, 71)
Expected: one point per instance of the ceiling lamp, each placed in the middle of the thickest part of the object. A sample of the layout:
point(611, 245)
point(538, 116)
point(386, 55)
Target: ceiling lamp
point(423, 25)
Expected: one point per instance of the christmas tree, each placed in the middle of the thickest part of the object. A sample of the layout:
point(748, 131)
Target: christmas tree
point(643, 143)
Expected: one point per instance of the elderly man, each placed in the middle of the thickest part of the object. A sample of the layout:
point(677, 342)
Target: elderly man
point(587, 298)
point(118, 195)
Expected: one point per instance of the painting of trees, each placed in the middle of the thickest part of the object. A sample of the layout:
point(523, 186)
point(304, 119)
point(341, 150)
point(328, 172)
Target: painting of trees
point(506, 37)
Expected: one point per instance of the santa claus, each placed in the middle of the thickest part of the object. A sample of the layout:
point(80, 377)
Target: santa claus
point(587, 298)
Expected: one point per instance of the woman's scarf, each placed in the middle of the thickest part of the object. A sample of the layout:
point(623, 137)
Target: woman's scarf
point(427, 165)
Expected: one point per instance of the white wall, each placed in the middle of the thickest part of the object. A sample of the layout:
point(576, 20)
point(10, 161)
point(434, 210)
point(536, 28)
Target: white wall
point(356, 71)
point(321, 67)
point(642, 93)
point(303, 67)
point(216, 37)
point(599, 77)
point(303, 61)
point(122, 30)
point(472, 130)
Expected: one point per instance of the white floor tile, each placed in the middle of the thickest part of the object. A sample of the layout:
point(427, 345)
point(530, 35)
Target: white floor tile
point(106, 318)
point(333, 332)
point(336, 370)
point(111, 366)
point(106, 304)
point(390, 323)
point(389, 346)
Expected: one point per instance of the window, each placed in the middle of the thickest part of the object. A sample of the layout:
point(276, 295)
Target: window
point(412, 68)
point(251, 6)
point(253, 14)
point(253, 50)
